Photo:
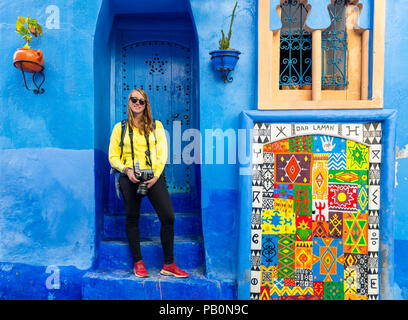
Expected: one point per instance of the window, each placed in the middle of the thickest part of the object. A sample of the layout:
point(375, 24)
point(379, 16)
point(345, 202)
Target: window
point(335, 65)
point(295, 47)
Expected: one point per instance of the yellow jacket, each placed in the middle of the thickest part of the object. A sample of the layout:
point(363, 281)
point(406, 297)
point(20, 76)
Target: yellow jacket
point(158, 152)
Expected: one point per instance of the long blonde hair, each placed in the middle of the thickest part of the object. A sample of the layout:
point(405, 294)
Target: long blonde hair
point(145, 124)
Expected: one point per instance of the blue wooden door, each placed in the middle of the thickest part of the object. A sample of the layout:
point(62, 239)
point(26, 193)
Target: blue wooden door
point(164, 70)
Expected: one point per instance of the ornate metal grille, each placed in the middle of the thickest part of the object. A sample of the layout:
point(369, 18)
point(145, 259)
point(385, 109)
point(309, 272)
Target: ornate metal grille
point(334, 48)
point(295, 47)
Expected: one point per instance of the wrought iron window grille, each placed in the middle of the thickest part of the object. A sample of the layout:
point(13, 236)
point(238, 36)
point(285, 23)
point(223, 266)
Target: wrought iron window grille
point(334, 48)
point(295, 47)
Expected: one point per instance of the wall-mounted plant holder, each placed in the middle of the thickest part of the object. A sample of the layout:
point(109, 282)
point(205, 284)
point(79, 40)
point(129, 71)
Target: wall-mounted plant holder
point(27, 59)
point(225, 61)
point(34, 68)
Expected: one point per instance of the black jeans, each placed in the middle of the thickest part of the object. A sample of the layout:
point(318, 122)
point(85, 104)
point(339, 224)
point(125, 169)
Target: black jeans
point(160, 199)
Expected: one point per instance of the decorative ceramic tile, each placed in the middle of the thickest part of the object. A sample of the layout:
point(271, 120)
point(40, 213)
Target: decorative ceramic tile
point(303, 257)
point(343, 197)
point(348, 176)
point(362, 279)
point(336, 224)
point(267, 157)
point(262, 133)
point(255, 286)
point(328, 260)
point(304, 228)
point(256, 218)
point(256, 260)
point(303, 278)
point(283, 191)
point(286, 256)
point(374, 174)
point(334, 291)
point(257, 175)
point(375, 153)
point(362, 199)
point(269, 250)
point(267, 179)
point(301, 297)
point(315, 211)
point(374, 197)
point(293, 167)
point(277, 146)
point(257, 196)
point(302, 200)
point(327, 144)
point(350, 280)
point(267, 183)
point(301, 144)
point(318, 288)
point(265, 295)
point(320, 210)
point(373, 239)
point(257, 153)
point(352, 296)
point(320, 229)
point(290, 291)
point(355, 232)
point(256, 239)
point(280, 131)
point(304, 129)
point(279, 221)
point(337, 161)
point(267, 276)
point(357, 156)
point(372, 133)
point(320, 171)
point(352, 131)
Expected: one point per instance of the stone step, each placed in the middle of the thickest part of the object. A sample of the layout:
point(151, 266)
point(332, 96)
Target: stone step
point(185, 224)
point(115, 254)
point(124, 285)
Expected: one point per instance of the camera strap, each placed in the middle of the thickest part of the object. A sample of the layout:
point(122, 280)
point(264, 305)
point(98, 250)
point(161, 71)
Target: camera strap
point(147, 152)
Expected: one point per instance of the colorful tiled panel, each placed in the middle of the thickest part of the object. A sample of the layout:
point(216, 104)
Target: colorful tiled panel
point(315, 211)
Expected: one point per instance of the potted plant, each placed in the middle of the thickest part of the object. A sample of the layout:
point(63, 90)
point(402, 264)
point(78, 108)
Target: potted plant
point(224, 59)
point(27, 59)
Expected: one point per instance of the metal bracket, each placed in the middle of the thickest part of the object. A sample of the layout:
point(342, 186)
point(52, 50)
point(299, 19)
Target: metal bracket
point(38, 89)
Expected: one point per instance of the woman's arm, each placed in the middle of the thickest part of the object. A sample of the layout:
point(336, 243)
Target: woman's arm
point(161, 149)
point(114, 148)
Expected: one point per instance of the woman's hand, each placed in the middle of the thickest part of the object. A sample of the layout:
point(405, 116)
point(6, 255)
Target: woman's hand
point(131, 176)
point(151, 182)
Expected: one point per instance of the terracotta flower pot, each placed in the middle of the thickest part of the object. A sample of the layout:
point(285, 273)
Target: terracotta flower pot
point(28, 60)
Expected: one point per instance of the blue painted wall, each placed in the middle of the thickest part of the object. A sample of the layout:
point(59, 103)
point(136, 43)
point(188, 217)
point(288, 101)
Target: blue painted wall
point(53, 146)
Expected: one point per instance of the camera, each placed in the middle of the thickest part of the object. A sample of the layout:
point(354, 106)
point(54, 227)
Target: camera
point(143, 176)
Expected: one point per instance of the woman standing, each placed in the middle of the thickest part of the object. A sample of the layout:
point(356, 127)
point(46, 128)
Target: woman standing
point(141, 163)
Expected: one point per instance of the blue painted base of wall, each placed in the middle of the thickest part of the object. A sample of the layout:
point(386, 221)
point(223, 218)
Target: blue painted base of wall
point(123, 285)
point(26, 282)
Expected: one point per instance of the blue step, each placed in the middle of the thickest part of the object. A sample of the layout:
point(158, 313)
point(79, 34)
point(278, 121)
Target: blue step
point(124, 285)
point(186, 224)
point(188, 253)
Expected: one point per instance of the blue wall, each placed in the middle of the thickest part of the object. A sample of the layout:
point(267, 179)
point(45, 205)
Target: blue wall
point(53, 146)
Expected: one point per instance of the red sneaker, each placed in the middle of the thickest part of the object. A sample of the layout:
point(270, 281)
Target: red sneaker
point(173, 270)
point(140, 269)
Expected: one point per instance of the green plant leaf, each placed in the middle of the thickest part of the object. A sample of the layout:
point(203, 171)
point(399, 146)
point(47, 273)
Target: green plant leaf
point(39, 29)
point(26, 46)
point(22, 19)
point(24, 29)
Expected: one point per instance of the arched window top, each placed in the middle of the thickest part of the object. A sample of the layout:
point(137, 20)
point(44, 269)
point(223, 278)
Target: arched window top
point(318, 12)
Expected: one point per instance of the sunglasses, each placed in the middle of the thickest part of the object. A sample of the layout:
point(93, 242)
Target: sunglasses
point(135, 100)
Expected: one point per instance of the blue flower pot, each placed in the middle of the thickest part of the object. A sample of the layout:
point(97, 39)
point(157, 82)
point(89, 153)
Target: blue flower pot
point(224, 60)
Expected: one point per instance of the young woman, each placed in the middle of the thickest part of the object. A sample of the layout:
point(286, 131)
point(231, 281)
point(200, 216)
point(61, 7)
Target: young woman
point(140, 165)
